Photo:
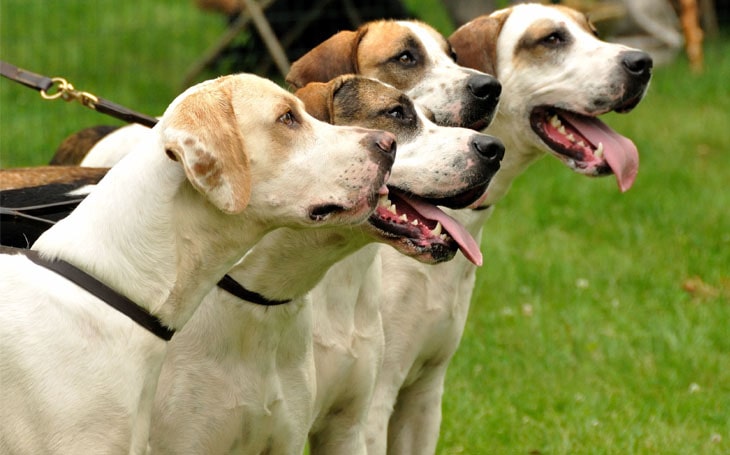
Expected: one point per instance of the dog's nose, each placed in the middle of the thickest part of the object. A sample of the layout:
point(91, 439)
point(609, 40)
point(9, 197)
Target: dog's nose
point(489, 148)
point(385, 142)
point(484, 86)
point(637, 64)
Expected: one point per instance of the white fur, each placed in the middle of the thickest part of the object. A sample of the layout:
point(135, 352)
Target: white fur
point(79, 377)
point(114, 146)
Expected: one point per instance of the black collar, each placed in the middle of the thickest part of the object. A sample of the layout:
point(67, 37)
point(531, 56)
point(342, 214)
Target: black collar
point(95, 287)
point(233, 287)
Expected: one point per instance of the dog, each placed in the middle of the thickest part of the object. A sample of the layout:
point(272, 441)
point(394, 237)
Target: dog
point(411, 56)
point(240, 377)
point(230, 160)
point(557, 77)
point(414, 58)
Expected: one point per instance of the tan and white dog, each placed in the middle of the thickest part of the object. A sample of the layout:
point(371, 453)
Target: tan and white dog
point(230, 160)
point(411, 56)
point(414, 58)
point(240, 376)
point(557, 77)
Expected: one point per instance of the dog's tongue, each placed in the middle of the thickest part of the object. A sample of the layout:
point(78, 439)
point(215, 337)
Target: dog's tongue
point(468, 246)
point(620, 152)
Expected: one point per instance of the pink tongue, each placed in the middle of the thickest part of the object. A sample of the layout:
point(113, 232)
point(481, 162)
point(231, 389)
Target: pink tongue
point(620, 152)
point(468, 246)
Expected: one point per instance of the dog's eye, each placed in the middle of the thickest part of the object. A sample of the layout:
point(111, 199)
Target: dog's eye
point(396, 112)
point(406, 58)
point(454, 57)
point(288, 119)
point(554, 39)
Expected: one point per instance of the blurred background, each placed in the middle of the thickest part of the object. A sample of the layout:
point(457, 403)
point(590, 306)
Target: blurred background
point(601, 321)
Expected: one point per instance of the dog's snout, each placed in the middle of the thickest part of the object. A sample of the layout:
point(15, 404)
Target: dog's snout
point(489, 148)
point(484, 86)
point(637, 64)
point(385, 142)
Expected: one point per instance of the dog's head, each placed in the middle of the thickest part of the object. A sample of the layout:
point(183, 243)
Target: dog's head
point(557, 77)
point(435, 165)
point(412, 57)
point(246, 143)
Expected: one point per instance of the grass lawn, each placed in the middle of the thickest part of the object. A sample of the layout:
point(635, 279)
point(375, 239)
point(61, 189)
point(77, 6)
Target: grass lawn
point(583, 337)
point(600, 320)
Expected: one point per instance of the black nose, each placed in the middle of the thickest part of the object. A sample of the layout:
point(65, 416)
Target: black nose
point(484, 86)
point(488, 147)
point(637, 64)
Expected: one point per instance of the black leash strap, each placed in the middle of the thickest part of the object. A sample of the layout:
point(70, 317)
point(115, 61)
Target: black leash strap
point(67, 92)
point(231, 286)
point(93, 286)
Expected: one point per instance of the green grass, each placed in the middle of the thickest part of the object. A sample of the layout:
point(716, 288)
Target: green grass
point(581, 338)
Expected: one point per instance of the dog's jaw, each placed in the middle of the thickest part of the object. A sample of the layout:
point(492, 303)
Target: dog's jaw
point(421, 230)
point(586, 144)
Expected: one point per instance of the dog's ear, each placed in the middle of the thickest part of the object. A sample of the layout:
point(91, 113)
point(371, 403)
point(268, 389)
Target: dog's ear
point(202, 133)
point(475, 43)
point(317, 98)
point(335, 56)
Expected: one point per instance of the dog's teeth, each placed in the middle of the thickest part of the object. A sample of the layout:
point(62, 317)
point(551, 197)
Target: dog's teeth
point(392, 209)
point(555, 121)
point(561, 129)
point(570, 137)
point(442, 236)
point(415, 222)
point(403, 218)
point(384, 202)
point(599, 151)
point(437, 229)
point(581, 143)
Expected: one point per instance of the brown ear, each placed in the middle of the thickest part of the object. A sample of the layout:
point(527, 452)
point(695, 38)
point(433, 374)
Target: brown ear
point(475, 43)
point(317, 98)
point(202, 133)
point(335, 56)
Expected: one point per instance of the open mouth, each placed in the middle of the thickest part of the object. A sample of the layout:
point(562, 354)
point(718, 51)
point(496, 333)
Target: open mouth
point(586, 144)
point(418, 228)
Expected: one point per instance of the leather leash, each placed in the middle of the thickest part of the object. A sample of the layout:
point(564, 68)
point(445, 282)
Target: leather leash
point(95, 287)
point(67, 92)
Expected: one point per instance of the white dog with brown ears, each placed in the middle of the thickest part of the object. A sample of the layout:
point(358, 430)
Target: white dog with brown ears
point(416, 59)
point(230, 160)
point(557, 77)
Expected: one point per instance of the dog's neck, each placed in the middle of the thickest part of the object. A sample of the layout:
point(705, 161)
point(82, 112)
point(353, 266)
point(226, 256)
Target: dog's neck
point(146, 233)
point(288, 263)
point(519, 154)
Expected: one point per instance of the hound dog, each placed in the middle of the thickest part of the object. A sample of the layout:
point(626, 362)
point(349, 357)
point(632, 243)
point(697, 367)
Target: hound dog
point(230, 160)
point(240, 377)
point(557, 77)
point(411, 56)
point(416, 59)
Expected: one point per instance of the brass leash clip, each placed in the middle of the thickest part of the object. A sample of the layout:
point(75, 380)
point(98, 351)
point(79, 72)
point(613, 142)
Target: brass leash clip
point(66, 91)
